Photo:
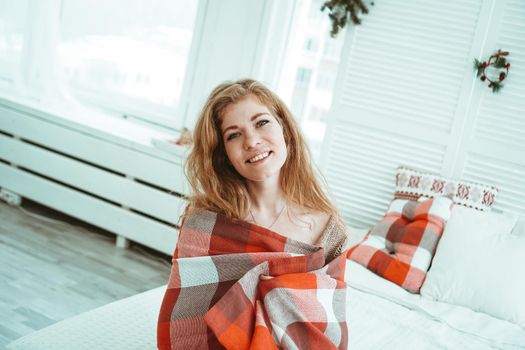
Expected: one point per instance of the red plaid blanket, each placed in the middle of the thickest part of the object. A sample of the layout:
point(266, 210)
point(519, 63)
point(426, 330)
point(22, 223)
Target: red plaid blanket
point(235, 285)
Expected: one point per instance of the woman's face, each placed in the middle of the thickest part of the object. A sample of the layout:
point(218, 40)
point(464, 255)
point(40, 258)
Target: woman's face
point(253, 139)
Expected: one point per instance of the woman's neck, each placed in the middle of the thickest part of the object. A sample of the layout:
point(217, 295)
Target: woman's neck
point(266, 197)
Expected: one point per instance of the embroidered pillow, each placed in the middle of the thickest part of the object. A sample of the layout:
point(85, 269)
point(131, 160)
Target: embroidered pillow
point(413, 184)
point(401, 246)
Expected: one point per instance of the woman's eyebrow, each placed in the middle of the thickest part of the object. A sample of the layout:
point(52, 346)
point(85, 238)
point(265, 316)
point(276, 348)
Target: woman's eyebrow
point(251, 119)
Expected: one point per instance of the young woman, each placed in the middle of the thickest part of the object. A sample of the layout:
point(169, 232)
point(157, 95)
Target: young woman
point(249, 161)
point(254, 190)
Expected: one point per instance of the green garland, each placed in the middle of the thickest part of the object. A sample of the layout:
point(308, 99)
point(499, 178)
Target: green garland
point(340, 10)
point(497, 60)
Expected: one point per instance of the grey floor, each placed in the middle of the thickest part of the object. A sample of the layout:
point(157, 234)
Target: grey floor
point(55, 267)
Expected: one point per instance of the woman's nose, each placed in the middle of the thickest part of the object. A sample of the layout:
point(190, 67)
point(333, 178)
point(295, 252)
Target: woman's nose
point(251, 139)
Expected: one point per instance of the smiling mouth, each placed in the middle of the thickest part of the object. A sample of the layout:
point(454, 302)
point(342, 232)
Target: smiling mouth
point(259, 157)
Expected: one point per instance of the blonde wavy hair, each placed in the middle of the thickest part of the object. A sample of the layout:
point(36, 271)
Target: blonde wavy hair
point(215, 183)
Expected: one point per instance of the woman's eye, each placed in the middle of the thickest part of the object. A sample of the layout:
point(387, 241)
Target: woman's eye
point(262, 122)
point(232, 136)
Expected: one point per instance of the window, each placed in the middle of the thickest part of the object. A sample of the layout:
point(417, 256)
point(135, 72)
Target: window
point(311, 44)
point(315, 65)
point(128, 55)
point(332, 48)
point(138, 58)
point(304, 75)
point(12, 27)
point(325, 81)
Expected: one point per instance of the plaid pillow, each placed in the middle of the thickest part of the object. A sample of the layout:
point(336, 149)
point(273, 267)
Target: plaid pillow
point(413, 184)
point(401, 246)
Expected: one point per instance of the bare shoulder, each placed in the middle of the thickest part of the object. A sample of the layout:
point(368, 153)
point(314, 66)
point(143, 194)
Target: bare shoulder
point(317, 220)
point(321, 220)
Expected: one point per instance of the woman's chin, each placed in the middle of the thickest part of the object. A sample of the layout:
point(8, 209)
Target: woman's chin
point(262, 177)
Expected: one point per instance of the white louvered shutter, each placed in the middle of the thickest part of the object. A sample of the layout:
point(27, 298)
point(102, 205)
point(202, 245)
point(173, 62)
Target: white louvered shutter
point(399, 99)
point(494, 151)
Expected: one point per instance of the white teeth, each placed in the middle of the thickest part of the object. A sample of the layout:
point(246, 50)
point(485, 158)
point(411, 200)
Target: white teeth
point(259, 157)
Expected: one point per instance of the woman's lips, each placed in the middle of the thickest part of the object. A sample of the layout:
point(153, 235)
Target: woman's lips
point(259, 158)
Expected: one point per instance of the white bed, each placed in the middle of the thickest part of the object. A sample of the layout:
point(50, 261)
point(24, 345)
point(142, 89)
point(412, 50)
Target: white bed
point(381, 315)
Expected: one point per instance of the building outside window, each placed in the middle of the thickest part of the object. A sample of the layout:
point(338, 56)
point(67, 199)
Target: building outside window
point(315, 62)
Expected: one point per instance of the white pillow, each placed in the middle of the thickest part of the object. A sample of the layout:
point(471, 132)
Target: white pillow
point(480, 264)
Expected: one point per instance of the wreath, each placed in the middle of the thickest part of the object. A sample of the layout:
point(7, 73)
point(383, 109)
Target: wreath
point(498, 69)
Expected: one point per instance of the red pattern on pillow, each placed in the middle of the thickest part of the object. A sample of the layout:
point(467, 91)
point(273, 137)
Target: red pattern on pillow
point(401, 246)
point(413, 184)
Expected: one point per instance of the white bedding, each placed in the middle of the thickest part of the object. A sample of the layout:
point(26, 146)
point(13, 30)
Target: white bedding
point(384, 317)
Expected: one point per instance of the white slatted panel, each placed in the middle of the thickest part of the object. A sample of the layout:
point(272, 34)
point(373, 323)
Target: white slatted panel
point(116, 219)
point(407, 61)
point(501, 116)
point(82, 145)
point(397, 99)
point(499, 123)
point(509, 177)
point(93, 180)
point(366, 173)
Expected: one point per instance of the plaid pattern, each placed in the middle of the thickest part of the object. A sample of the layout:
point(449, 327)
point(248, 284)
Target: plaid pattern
point(401, 246)
point(235, 285)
